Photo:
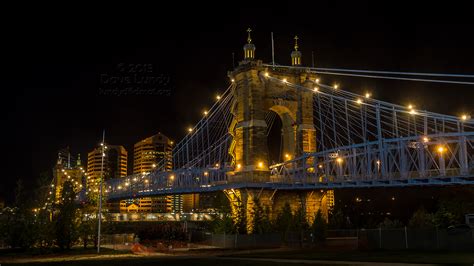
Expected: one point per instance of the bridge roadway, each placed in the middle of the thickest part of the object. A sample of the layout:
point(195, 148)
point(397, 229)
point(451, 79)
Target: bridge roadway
point(225, 185)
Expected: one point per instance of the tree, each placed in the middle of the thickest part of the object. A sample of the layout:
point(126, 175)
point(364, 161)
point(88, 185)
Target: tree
point(259, 218)
point(223, 224)
point(421, 219)
point(336, 219)
point(45, 230)
point(66, 229)
point(389, 224)
point(319, 227)
point(284, 221)
point(17, 224)
point(452, 211)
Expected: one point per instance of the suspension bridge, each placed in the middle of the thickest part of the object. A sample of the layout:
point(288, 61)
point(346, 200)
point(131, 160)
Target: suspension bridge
point(331, 138)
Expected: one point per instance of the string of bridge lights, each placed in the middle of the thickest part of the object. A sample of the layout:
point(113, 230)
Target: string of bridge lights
point(440, 149)
point(411, 108)
point(357, 99)
point(364, 99)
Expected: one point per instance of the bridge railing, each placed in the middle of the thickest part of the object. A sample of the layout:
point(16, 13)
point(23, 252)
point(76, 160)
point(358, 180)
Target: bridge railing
point(441, 155)
point(403, 160)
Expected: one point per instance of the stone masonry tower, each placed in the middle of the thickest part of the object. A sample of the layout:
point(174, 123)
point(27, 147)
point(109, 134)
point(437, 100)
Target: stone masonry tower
point(256, 93)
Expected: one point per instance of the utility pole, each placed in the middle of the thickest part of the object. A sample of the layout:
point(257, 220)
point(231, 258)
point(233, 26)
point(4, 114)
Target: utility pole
point(100, 190)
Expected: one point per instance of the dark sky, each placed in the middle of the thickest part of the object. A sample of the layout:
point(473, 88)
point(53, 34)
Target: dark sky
point(53, 59)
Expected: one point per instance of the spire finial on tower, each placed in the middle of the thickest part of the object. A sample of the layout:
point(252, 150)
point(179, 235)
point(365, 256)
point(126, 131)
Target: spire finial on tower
point(296, 55)
point(249, 38)
point(249, 48)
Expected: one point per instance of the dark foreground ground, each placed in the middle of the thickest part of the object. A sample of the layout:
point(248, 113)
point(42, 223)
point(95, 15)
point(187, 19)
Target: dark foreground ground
point(274, 257)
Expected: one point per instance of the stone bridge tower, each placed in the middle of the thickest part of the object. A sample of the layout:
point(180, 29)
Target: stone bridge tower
point(254, 96)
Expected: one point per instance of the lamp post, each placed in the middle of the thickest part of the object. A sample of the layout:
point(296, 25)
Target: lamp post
point(442, 167)
point(100, 191)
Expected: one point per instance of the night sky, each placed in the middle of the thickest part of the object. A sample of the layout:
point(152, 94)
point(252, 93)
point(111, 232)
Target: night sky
point(53, 61)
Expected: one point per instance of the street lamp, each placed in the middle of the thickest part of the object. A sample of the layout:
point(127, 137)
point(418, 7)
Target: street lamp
point(100, 191)
point(442, 168)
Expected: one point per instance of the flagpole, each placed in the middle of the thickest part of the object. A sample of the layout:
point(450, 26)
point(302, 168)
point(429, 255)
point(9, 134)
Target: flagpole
point(273, 52)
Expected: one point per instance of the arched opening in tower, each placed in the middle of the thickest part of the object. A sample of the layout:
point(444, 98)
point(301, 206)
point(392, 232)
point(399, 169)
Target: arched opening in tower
point(274, 137)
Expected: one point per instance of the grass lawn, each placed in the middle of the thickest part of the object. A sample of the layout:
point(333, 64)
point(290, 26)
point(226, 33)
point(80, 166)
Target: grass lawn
point(163, 261)
point(371, 256)
point(4, 253)
point(243, 257)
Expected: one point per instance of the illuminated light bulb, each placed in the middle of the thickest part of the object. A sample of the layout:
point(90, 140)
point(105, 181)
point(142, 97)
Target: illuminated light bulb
point(260, 164)
point(339, 160)
point(206, 173)
point(205, 113)
point(127, 184)
point(410, 106)
point(146, 181)
point(317, 81)
point(316, 89)
point(413, 112)
point(320, 166)
point(266, 74)
point(119, 187)
point(359, 101)
point(441, 149)
point(232, 80)
point(287, 155)
point(217, 165)
point(218, 97)
point(336, 86)
point(284, 80)
point(171, 142)
point(239, 166)
point(465, 117)
point(154, 165)
point(102, 144)
point(190, 129)
point(426, 139)
point(367, 95)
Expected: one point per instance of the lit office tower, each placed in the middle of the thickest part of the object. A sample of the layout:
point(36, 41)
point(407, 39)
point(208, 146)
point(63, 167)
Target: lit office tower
point(115, 165)
point(148, 155)
point(154, 153)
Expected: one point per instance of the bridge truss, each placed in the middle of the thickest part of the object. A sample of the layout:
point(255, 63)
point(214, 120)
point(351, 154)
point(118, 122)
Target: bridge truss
point(361, 142)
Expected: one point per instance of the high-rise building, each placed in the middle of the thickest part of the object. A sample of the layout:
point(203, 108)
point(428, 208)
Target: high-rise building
point(115, 165)
point(67, 170)
point(148, 155)
point(152, 152)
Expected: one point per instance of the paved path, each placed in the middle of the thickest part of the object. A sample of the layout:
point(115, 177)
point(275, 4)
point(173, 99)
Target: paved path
point(323, 262)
